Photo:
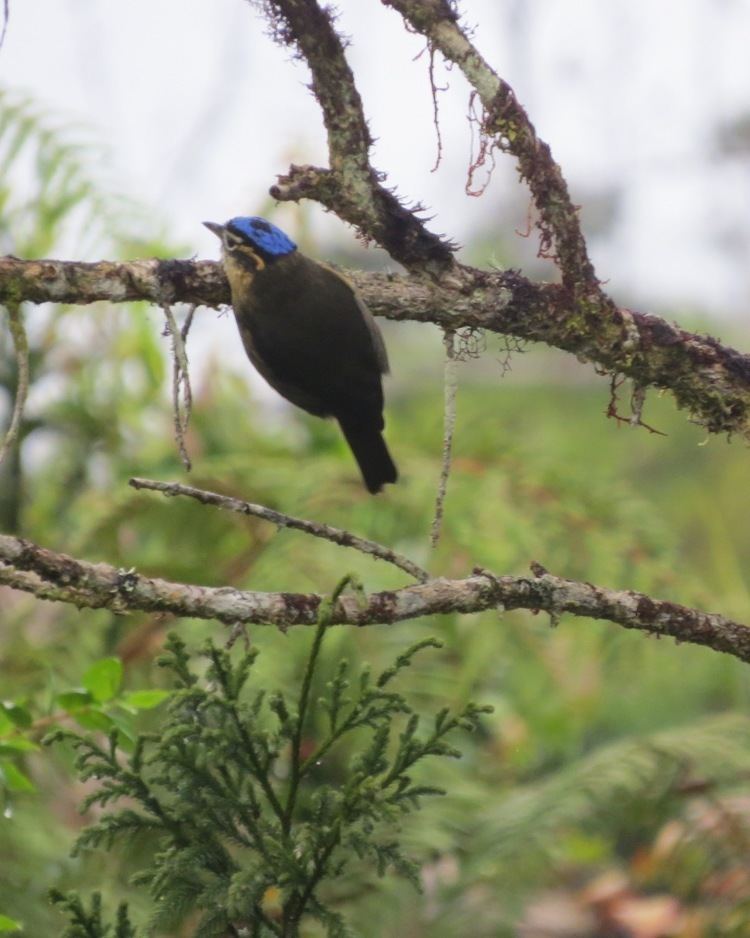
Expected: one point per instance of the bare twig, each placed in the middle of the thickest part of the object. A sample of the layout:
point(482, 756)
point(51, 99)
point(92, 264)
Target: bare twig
point(182, 395)
point(484, 154)
point(54, 576)
point(187, 325)
point(710, 380)
point(315, 528)
point(450, 386)
point(637, 401)
point(434, 90)
point(6, 18)
point(21, 348)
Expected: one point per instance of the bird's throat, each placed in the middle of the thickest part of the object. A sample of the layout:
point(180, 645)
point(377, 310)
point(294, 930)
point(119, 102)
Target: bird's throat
point(240, 274)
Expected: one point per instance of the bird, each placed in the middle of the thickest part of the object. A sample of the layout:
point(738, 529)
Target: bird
point(309, 334)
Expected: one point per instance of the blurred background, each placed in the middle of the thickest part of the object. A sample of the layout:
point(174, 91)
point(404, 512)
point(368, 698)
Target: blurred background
point(607, 795)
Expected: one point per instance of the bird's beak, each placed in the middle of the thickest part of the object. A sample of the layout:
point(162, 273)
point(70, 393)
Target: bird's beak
point(218, 230)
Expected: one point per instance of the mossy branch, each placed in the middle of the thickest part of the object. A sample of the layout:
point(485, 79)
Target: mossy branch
point(709, 380)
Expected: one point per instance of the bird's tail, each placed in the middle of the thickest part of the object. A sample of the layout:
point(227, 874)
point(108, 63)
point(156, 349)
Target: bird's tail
point(372, 455)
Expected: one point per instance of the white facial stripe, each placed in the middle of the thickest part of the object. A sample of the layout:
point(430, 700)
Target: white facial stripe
point(231, 241)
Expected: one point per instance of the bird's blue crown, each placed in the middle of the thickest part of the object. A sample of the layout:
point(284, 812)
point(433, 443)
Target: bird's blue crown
point(269, 240)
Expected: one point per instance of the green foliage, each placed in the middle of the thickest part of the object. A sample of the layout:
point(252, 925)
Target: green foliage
point(643, 779)
point(652, 514)
point(66, 205)
point(245, 835)
point(15, 720)
point(88, 923)
point(71, 193)
point(593, 730)
point(99, 704)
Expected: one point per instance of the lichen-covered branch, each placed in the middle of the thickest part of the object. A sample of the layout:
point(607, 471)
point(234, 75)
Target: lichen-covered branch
point(351, 187)
point(577, 316)
point(54, 576)
point(157, 281)
point(710, 380)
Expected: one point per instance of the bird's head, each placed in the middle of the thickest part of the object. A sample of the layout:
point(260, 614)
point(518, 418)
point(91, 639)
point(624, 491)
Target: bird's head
point(251, 242)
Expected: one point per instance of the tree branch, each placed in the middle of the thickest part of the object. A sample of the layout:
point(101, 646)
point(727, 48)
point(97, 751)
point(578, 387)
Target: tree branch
point(157, 281)
point(54, 576)
point(351, 187)
point(505, 119)
point(710, 380)
point(316, 529)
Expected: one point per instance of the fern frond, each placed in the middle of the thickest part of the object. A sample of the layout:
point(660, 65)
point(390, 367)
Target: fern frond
point(604, 785)
point(68, 200)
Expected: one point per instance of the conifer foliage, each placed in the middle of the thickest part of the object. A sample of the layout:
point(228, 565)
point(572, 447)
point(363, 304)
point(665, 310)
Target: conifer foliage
point(244, 841)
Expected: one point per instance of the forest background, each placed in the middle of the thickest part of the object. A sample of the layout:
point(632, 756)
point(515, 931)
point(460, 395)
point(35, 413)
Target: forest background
point(614, 765)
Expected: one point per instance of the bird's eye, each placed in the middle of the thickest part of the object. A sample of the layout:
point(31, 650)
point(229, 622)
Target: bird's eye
point(231, 241)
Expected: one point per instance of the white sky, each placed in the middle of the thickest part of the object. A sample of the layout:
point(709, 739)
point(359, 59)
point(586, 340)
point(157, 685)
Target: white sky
point(201, 111)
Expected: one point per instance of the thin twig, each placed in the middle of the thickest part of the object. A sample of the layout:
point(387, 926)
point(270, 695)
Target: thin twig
point(21, 347)
point(188, 322)
point(315, 528)
point(435, 106)
point(182, 395)
point(450, 386)
point(6, 17)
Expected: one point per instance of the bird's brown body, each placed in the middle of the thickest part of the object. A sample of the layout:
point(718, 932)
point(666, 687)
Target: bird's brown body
point(310, 336)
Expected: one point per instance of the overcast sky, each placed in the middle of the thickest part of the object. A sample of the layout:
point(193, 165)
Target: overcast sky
point(201, 111)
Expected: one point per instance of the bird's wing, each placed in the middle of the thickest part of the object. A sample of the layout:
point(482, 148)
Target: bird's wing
point(378, 344)
point(313, 340)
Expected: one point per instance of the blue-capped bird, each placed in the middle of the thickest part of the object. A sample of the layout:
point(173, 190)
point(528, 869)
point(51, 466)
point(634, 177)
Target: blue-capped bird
point(310, 335)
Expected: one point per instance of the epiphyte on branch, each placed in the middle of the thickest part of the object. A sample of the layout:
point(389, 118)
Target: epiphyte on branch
point(310, 336)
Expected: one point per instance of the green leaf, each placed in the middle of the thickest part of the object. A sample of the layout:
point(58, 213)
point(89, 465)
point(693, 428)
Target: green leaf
point(14, 779)
point(92, 719)
point(6, 724)
point(143, 699)
point(12, 746)
point(103, 679)
point(19, 715)
point(72, 700)
point(123, 722)
point(9, 924)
